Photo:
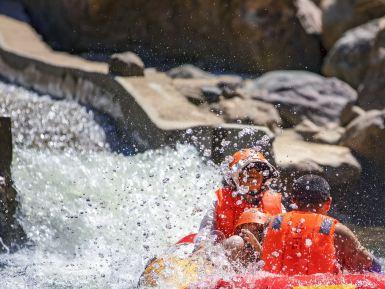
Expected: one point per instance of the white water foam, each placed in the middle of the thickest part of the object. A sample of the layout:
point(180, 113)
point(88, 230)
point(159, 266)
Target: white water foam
point(96, 219)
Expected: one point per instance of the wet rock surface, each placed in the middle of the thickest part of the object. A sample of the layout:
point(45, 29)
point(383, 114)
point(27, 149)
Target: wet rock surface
point(349, 58)
point(12, 234)
point(300, 95)
point(41, 122)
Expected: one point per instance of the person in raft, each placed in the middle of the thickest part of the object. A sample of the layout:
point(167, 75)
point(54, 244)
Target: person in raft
point(247, 180)
point(240, 248)
point(307, 241)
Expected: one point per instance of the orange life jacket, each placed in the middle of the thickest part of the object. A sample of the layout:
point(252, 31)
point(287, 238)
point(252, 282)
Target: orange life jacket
point(229, 208)
point(300, 243)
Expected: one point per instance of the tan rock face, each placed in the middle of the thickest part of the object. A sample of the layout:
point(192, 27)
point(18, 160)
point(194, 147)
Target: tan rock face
point(252, 35)
point(339, 16)
point(5, 146)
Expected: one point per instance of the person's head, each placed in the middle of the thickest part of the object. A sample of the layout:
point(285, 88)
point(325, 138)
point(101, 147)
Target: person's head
point(252, 220)
point(249, 172)
point(311, 193)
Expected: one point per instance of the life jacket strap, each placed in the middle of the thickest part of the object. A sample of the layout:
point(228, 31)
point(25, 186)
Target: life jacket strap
point(326, 226)
point(277, 222)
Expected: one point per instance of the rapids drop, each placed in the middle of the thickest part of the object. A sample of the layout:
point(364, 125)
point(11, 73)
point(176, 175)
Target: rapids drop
point(95, 219)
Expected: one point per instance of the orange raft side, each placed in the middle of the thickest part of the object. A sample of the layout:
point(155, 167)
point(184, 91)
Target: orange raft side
point(317, 281)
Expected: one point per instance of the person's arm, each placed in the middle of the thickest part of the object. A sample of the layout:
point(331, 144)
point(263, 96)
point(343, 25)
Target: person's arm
point(351, 255)
point(249, 238)
point(207, 226)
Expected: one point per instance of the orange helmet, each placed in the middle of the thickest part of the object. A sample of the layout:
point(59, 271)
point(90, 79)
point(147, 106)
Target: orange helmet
point(245, 157)
point(252, 216)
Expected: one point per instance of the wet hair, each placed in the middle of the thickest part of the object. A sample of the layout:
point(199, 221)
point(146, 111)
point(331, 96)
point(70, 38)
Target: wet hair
point(311, 190)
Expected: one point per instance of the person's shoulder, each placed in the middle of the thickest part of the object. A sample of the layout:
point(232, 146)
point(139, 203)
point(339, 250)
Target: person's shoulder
point(343, 232)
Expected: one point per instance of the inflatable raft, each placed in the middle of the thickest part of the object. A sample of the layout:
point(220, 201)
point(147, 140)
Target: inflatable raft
point(175, 270)
point(317, 281)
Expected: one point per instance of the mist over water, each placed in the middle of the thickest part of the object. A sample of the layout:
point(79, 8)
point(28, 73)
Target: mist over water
point(94, 220)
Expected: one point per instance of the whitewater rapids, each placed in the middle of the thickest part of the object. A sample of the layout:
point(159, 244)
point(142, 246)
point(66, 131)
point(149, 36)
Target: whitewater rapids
point(94, 220)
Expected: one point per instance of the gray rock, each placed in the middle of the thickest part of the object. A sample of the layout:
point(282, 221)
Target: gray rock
point(188, 71)
point(249, 111)
point(300, 95)
point(349, 58)
point(366, 136)
point(339, 16)
point(371, 94)
point(211, 93)
point(126, 64)
point(202, 90)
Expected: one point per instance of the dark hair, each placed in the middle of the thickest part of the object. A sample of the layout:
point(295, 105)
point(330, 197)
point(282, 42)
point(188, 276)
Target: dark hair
point(311, 190)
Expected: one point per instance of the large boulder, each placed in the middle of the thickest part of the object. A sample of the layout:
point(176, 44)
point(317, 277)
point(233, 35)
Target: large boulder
point(371, 94)
point(366, 136)
point(300, 95)
point(339, 16)
point(349, 58)
point(251, 35)
point(295, 157)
